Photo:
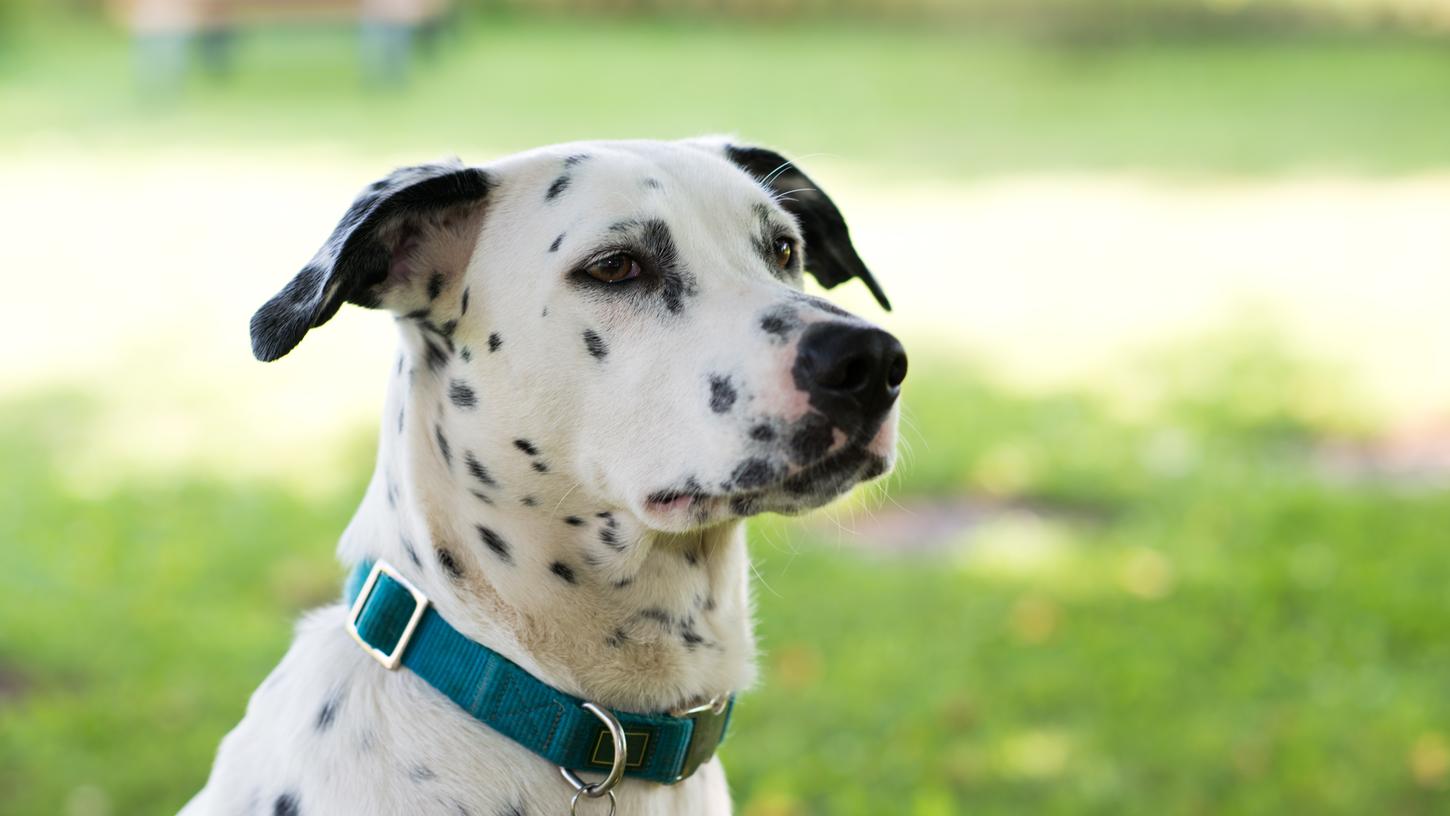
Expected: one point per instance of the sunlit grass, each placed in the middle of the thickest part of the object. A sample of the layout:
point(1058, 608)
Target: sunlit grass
point(1227, 631)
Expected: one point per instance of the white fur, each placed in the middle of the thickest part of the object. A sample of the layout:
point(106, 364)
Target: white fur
point(610, 432)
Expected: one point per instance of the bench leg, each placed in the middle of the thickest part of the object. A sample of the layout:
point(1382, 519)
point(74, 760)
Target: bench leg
point(161, 61)
point(387, 51)
point(217, 46)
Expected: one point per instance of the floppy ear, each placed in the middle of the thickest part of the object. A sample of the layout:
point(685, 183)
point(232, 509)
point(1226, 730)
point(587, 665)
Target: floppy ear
point(418, 222)
point(830, 257)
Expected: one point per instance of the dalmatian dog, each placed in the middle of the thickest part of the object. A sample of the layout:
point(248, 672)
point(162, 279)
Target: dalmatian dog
point(606, 364)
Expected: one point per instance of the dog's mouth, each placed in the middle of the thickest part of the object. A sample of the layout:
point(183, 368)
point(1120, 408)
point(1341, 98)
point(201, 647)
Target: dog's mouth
point(779, 490)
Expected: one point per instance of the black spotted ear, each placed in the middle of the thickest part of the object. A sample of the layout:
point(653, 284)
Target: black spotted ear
point(418, 223)
point(830, 257)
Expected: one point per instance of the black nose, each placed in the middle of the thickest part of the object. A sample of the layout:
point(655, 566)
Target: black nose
point(852, 373)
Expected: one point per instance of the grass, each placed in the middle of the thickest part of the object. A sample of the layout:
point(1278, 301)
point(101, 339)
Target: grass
point(944, 103)
point(1171, 605)
point(1217, 629)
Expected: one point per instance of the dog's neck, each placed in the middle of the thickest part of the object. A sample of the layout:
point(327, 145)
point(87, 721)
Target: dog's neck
point(516, 556)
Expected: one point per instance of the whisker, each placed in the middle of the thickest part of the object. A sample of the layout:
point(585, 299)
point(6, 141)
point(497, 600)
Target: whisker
point(769, 177)
point(779, 196)
point(560, 503)
point(762, 580)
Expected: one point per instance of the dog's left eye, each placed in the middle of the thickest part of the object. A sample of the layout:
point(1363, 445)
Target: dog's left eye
point(614, 269)
point(784, 251)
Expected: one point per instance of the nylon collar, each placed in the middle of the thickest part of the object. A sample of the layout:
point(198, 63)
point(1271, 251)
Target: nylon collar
point(395, 624)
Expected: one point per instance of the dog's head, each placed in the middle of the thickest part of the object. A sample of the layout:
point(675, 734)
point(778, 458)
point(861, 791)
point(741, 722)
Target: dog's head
point(628, 317)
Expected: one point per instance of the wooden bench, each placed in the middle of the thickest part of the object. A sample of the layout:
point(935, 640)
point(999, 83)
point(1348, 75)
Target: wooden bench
point(167, 32)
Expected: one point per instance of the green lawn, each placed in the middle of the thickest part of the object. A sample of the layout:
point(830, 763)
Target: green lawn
point(1169, 605)
point(944, 103)
point(1195, 619)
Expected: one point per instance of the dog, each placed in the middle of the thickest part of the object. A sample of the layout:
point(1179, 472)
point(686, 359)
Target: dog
point(607, 362)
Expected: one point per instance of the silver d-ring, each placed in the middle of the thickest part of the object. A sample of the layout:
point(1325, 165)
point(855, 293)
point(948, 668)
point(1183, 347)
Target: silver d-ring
point(616, 771)
point(574, 802)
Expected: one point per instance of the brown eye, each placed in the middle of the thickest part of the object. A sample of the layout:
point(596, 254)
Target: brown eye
point(614, 269)
point(784, 251)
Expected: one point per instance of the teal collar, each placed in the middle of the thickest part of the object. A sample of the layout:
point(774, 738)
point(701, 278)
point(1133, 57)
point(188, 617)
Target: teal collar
point(395, 624)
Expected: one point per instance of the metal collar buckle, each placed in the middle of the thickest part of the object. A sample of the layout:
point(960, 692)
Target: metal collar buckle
point(710, 718)
point(390, 659)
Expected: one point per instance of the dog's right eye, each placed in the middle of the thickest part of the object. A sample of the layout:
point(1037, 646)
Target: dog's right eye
point(614, 269)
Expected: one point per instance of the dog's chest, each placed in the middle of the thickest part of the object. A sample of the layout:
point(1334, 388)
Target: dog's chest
point(331, 732)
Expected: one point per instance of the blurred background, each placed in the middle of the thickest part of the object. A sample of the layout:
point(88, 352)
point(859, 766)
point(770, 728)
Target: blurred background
point(1171, 532)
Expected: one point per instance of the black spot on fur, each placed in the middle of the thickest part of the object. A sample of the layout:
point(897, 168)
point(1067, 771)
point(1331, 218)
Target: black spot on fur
point(874, 468)
point(692, 556)
point(447, 329)
point(657, 615)
point(574, 521)
point(595, 344)
point(831, 475)
point(526, 446)
point(560, 185)
point(722, 394)
point(762, 433)
point(443, 445)
point(421, 773)
point(495, 544)
point(435, 286)
point(811, 438)
point(328, 713)
point(822, 304)
point(463, 302)
point(623, 582)
point(676, 283)
point(744, 505)
point(650, 184)
point(529, 501)
point(564, 571)
point(604, 514)
point(418, 314)
point(483, 497)
point(286, 805)
point(476, 469)
point(449, 563)
point(610, 538)
point(411, 552)
point(554, 247)
point(494, 341)
point(751, 473)
point(617, 638)
point(465, 353)
point(400, 419)
point(570, 161)
point(779, 322)
point(435, 355)
point(462, 395)
point(541, 466)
